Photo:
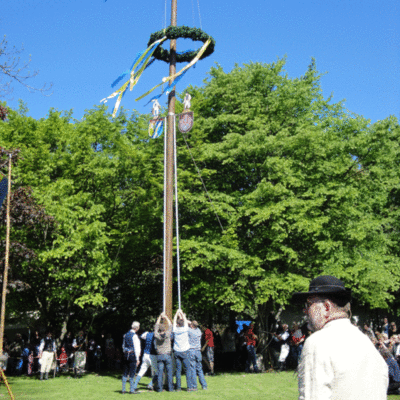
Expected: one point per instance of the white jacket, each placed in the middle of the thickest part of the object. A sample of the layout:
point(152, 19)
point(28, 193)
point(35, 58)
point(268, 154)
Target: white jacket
point(339, 362)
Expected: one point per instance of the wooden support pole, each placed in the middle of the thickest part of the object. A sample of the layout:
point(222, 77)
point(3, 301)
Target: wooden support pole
point(5, 275)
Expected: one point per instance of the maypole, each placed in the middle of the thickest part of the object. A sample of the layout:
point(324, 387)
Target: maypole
point(168, 223)
point(142, 61)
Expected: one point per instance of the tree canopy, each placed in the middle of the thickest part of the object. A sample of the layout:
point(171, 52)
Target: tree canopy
point(299, 186)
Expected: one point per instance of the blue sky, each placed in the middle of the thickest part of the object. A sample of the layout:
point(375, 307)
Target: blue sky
point(81, 46)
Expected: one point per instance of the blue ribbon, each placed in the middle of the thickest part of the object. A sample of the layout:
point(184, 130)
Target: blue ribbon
point(240, 325)
point(122, 76)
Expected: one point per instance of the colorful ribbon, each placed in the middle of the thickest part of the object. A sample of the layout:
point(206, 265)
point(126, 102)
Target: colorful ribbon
point(142, 61)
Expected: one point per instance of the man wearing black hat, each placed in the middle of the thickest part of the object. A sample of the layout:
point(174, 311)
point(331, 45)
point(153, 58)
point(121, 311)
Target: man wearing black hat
point(338, 361)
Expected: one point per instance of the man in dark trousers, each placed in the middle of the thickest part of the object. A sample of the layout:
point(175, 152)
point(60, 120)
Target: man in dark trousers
point(131, 357)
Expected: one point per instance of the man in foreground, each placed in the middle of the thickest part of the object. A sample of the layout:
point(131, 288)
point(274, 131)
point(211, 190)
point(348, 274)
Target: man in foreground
point(338, 361)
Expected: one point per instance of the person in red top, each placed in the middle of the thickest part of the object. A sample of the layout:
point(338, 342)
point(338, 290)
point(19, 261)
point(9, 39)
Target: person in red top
point(209, 344)
point(251, 340)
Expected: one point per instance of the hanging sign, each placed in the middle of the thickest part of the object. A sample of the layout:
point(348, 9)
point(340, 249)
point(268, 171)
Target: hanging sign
point(185, 123)
point(156, 127)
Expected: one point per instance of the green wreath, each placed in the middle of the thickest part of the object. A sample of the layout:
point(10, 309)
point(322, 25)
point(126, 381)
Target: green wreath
point(184, 32)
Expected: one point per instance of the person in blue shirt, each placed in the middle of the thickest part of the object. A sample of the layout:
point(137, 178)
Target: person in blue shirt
point(149, 359)
point(195, 357)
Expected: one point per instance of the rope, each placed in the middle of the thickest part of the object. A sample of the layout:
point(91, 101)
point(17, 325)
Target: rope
point(165, 210)
point(165, 15)
point(198, 172)
point(193, 18)
point(198, 7)
point(6, 383)
point(177, 221)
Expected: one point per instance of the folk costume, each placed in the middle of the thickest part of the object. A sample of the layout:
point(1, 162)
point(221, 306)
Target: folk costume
point(47, 351)
point(79, 344)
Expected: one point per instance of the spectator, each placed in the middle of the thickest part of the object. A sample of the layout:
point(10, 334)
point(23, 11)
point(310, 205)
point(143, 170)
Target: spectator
point(392, 329)
point(67, 344)
point(209, 346)
point(63, 360)
point(284, 339)
point(297, 340)
point(15, 361)
point(396, 348)
point(47, 355)
point(369, 332)
point(229, 348)
point(251, 340)
point(90, 353)
point(385, 326)
point(79, 344)
point(110, 350)
point(394, 371)
point(36, 344)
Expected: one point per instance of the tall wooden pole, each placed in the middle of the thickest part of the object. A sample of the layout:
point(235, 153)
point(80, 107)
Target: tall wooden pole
point(5, 276)
point(170, 175)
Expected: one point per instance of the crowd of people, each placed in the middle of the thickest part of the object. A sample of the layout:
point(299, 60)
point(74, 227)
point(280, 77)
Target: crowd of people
point(172, 347)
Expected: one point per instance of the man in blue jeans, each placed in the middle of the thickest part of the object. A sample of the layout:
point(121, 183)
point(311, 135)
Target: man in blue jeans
point(131, 359)
point(181, 348)
point(195, 357)
point(162, 341)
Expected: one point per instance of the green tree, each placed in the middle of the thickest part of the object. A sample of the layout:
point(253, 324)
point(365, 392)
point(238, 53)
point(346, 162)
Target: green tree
point(85, 175)
point(301, 187)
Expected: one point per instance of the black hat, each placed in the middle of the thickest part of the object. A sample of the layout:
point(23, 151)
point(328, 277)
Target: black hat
point(327, 286)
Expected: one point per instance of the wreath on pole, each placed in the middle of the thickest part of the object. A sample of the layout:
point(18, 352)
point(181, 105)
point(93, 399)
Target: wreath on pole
point(183, 32)
point(154, 49)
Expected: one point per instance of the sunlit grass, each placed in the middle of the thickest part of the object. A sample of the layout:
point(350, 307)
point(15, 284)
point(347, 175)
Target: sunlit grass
point(272, 386)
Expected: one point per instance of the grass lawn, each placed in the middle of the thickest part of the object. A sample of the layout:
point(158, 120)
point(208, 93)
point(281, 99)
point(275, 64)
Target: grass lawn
point(272, 386)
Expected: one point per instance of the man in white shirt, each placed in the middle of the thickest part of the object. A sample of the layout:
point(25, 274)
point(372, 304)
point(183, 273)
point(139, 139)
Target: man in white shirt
point(181, 348)
point(338, 361)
